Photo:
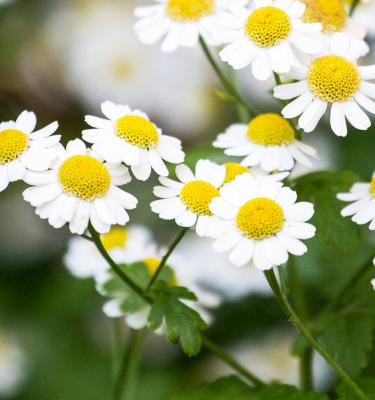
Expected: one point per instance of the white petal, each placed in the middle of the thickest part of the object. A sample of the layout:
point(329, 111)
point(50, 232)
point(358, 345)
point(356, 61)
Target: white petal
point(242, 253)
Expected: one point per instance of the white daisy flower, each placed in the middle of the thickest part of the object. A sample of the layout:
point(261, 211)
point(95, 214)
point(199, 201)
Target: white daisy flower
point(80, 189)
point(180, 21)
point(187, 201)
point(130, 137)
point(268, 37)
point(261, 222)
point(269, 141)
point(331, 79)
point(183, 275)
point(22, 148)
point(124, 245)
point(333, 16)
point(362, 209)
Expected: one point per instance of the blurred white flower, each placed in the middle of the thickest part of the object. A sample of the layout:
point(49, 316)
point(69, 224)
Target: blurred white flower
point(101, 58)
point(364, 16)
point(12, 367)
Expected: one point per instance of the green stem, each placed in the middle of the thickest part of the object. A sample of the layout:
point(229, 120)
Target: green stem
point(301, 327)
point(229, 360)
point(119, 340)
point(118, 271)
point(164, 260)
point(127, 378)
point(353, 7)
point(225, 81)
point(305, 363)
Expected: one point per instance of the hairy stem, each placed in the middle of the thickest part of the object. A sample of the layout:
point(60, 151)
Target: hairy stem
point(229, 360)
point(127, 378)
point(228, 85)
point(302, 328)
point(164, 260)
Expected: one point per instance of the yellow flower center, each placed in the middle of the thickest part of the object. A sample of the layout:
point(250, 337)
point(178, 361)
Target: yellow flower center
point(115, 238)
point(260, 218)
point(197, 195)
point(12, 144)
point(189, 10)
point(84, 177)
point(152, 265)
point(270, 130)
point(372, 187)
point(333, 78)
point(331, 13)
point(233, 170)
point(137, 131)
point(267, 26)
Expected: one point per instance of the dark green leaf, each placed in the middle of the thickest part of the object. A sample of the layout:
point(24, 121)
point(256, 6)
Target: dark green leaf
point(182, 322)
point(321, 189)
point(348, 337)
point(367, 385)
point(286, 392)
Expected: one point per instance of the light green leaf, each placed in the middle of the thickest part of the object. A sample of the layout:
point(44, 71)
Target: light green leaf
point(348, 338)
point(182, 322)
point(366, 384)
point(286, 392)
point(321, 189)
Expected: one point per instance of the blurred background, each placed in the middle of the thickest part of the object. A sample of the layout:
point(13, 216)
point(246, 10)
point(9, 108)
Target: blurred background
point(61, 59)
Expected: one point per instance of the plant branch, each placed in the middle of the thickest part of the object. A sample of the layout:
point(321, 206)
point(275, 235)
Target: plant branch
point(301, 327)
point(165, 258)
point(229, 86)
point(118, 271)
point(229, 360)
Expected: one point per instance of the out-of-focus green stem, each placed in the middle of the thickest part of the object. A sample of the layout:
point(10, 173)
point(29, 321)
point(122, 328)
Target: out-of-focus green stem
point(353, 6)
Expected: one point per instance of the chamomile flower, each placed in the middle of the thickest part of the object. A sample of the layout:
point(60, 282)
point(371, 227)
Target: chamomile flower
point(260, 221)
point(269, 141)
point(22, 148)
point(187, 200)
point(180, 273)
point(331, 79)
point(232, 170)
point(334, 18)
point(180, 21)
point(79, 189)
point(268, 37)
point(130, 137)
point(124, 244)
point(362, 207)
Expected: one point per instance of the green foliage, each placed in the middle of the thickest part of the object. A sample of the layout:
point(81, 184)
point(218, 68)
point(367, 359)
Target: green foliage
point(367, 385)
point(348, 337)
point(181, 322)
point(234, 389)
point(321, 189)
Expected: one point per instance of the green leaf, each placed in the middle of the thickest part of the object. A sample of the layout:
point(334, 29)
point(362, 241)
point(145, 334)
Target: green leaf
point(348, 338)
point(366, 384)
point(223, 389)
point(321, 189)
point(182, 322)
point(286, 392)
point(225, 96)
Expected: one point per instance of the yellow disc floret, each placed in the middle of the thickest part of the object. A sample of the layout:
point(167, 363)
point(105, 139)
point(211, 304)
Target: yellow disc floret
point(189, 10)
point(267, 26)
point(152, 265)
point(270, 130)
point(331, 13)
point(137, 131)
point(260, 218)
point(372, 187)
point(197, 195)
point(12, 144)
point(84, 177)
point(333, 78)
point(115, 238)
point(233, 170)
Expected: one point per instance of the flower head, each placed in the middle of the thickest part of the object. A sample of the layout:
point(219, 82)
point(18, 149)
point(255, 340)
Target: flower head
point(260, 221)
point(187, 200)
point(331, 79)
point(180, 21)
point(79, 189)
point(269, 37)
point(362, 207)
point(130, 137)
point(22, 148)
point(268, 141)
